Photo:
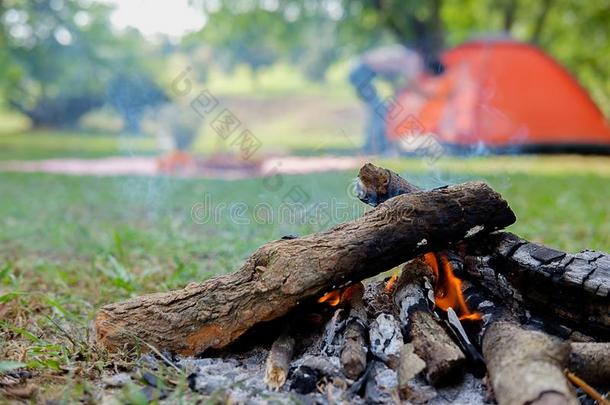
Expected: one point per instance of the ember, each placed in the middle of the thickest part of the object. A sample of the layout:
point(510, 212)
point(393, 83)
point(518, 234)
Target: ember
point(389, 285)
point(448, 287)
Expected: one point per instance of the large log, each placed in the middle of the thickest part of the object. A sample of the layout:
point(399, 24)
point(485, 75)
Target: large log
point(574, 288)
point(283, 273)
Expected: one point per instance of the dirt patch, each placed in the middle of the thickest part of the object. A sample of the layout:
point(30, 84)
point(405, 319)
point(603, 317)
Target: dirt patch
point(149, 166)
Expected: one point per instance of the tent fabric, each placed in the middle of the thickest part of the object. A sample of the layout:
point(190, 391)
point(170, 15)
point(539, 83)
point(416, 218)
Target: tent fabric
point(500, 94)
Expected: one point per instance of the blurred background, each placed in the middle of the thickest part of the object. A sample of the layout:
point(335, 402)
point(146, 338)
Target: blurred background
point(148, 144)
point(94, 78)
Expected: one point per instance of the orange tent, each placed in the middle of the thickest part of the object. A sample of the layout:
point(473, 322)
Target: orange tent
point(500, 94)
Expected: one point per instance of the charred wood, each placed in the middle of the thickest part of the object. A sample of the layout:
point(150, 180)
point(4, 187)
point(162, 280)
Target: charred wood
point(573, 288)
point(310, 370)
point(386, 339)
point(411, 386)
point(382, 385)
point(443, 358)
point(355, 347)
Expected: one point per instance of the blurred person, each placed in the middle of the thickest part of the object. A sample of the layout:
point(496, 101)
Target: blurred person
point(395, 64)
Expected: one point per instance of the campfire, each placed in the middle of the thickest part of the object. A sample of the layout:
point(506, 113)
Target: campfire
point(473, 313)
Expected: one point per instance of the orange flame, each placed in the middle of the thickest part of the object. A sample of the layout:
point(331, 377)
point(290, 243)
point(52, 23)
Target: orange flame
point(389, 285)
point(448, 288)
point(336, 297)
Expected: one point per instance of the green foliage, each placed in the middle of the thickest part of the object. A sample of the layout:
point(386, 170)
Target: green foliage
point(60, 57)
point(316, 33)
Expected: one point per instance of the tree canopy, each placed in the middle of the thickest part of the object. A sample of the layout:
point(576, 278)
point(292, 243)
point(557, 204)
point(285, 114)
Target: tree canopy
point(60, 56)
point(315, 33)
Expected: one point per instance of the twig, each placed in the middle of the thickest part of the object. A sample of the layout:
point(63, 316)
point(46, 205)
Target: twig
point(590, 391)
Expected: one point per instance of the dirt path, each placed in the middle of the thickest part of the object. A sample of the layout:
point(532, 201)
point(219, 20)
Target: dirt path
point(148, 166)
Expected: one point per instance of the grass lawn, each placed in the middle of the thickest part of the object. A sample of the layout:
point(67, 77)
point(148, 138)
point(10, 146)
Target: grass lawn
point(71, 244)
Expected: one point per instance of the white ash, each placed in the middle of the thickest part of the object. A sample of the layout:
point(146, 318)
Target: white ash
point(422, 242)
point(382, 385)
point(386, 339)
point(474, 230)
point(470, 391)
point(333, 334)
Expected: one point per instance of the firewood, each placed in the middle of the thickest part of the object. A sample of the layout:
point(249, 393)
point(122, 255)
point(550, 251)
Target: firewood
point(442, 356)
point(355, 348)
point(410, 388)
point(591, 362)
point(526, 367)
point(283, 273)
point(572, 288)
point(376, 185)
point(278, 360)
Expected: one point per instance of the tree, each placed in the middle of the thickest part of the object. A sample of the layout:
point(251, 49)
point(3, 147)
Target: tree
point(63, 54)
point(131, 94)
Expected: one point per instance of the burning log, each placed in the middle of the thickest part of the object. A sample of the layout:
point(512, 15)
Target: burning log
point(355, 349)
point(283, 273)
point(573, 288)
point(591, 362)
point(278, 361)
point(430, 342)
point(526, 367)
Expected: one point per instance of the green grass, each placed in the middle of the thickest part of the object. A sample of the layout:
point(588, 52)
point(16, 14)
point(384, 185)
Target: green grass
point(28, 145)
point(71, 244)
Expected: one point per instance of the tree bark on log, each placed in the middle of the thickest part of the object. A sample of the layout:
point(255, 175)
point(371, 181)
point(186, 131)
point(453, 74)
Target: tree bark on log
point(355, 347)
point(431, 343)
point(526, 367)
point(278, 360)
point(283, 273)
point(591, 362)
point(574, 288)
point(376, 185)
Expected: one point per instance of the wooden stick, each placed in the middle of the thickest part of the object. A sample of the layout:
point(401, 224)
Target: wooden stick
point(526, 367)
point(376, 185)
point(442, 356)
point(355, 348)
point(283, 273)
point(278, 361)
point(590, 391)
